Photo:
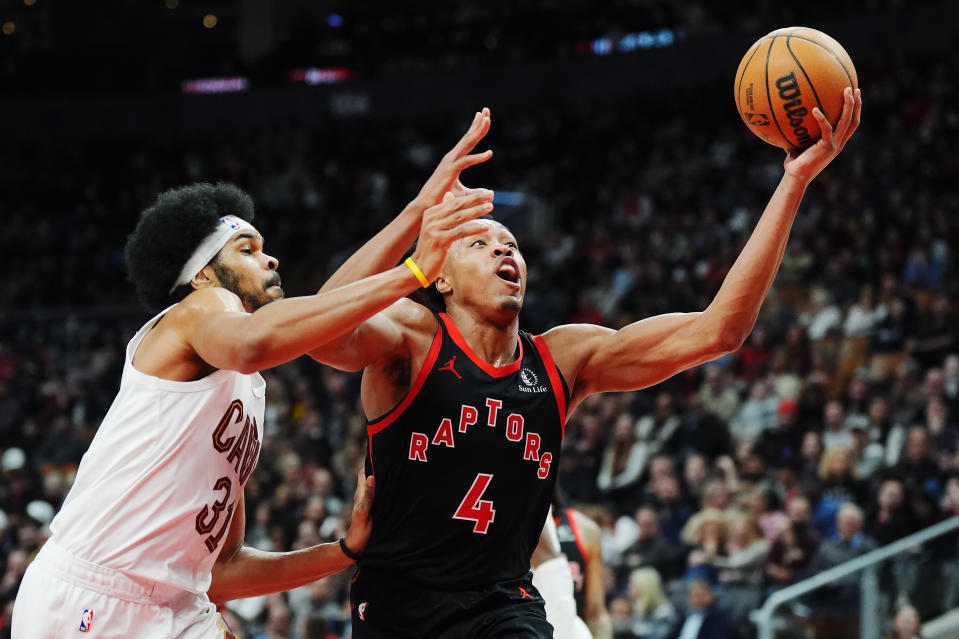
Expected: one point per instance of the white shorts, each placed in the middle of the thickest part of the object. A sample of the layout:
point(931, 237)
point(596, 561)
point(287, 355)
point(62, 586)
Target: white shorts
point(554, 580)
point(62, 596)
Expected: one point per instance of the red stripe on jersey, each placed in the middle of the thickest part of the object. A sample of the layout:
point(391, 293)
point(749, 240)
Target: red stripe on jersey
point(554, 379)
point(486, 367)
point(576, 534)
point(389, 418)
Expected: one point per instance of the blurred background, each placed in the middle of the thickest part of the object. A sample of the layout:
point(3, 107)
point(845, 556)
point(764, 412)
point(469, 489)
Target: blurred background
point(631, 183)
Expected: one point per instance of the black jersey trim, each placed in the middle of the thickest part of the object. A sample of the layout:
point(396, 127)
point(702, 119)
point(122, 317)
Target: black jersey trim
point(555, 379)
point(380, 423)
point(486, 367)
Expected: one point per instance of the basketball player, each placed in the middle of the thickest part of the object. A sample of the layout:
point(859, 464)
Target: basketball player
point(466, 415)
point(579, 540)
point(153, 526)
point(557, 574)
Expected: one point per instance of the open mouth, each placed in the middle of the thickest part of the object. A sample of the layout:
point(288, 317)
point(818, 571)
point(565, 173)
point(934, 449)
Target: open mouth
point(509, 273)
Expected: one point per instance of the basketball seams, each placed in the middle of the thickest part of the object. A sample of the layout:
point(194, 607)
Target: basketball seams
point(805, 75)
point(739, 88)
point(769, 96)
point(827, 50)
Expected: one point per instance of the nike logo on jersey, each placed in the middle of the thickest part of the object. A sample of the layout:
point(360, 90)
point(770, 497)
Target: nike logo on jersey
point(449, 367)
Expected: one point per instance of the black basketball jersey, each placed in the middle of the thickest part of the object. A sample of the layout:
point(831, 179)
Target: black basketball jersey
point(465, 466)
point(572, 545)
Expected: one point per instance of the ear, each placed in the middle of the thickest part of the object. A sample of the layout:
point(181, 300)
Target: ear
point(206, 278)
point(443, 285)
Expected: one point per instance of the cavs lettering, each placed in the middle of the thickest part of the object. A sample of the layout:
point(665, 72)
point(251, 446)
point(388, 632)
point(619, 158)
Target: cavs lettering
point(464, 465)
point(241, 450)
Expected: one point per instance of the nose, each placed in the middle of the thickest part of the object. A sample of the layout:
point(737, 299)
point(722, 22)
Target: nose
point(502, 249)
point(271, 262)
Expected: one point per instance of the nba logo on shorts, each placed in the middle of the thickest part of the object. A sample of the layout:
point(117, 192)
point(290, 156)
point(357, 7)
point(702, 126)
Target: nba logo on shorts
point(86, 620)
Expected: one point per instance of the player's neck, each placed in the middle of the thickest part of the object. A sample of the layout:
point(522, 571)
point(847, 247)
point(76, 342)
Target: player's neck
point(493, 342)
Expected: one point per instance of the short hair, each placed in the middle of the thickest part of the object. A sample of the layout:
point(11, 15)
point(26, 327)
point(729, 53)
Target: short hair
point(170, 230)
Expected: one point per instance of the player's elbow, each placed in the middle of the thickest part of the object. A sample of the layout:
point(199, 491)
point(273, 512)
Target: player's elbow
point(729, 340)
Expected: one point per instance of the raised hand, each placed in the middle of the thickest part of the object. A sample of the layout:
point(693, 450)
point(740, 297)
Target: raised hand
point(446, 177)
point(443, 224)
point(807, 164)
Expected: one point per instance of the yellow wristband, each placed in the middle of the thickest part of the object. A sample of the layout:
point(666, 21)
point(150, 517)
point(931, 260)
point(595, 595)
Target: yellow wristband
point(425, 283)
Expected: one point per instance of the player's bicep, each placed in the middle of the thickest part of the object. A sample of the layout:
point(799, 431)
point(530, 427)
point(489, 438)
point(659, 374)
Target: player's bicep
point(636, 356)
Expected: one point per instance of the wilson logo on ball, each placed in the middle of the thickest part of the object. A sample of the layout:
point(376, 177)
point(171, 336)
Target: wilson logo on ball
point(790, 93)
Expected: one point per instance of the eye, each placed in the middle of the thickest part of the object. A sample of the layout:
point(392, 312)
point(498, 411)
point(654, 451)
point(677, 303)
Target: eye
point(246, 251)
point(478, 243)
point(512, 245)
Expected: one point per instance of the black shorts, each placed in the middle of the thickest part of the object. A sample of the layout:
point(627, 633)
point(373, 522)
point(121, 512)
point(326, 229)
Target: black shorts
point(388, 608)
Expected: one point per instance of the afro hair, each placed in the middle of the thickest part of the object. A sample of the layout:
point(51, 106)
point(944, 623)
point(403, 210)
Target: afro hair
point(170, 230)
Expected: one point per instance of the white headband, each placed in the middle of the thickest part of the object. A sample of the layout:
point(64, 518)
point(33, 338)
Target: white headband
point(225, 229)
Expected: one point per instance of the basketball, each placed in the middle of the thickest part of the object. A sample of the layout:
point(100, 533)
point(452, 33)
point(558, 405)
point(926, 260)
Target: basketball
point(783, 76)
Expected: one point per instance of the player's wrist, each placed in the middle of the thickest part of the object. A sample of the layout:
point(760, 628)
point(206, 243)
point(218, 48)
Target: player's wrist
point(349, 552)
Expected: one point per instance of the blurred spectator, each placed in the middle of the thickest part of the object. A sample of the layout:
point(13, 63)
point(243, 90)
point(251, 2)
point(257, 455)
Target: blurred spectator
point(652, 549)
point(672, 511)
point(918, 467)
point(793, 551)
point(654, 616)
point(905, 625)
point(757, 415)
point(834, 605)
point(839, 486)
point(781, 444)
point(702, 619)
point(889, 517)
point(717, 394)
point(623, 463)
point(279, 621)
point(834, 431)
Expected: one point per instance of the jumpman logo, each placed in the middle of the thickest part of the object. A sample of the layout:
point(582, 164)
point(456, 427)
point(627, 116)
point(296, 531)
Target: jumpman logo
point(449, 367)
point(525, 594)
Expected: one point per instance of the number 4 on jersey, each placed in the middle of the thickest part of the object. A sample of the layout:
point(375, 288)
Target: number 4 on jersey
point(474, 509)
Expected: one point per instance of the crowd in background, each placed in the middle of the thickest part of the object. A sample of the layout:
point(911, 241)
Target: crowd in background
point(834, 430)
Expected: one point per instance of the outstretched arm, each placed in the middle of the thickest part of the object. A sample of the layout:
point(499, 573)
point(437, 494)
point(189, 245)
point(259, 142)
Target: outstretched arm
point(214, 325)
point(595, 359)
point(386, 248)
point(241, 571)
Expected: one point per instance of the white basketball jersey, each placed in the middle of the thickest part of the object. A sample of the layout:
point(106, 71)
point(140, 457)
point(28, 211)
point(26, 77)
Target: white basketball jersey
point(155, 492)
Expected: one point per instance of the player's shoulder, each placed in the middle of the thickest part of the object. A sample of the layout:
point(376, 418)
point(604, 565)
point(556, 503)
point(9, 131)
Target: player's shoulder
point(412, 316)
point(571, 335)
point(588, 528)
point(202, 303)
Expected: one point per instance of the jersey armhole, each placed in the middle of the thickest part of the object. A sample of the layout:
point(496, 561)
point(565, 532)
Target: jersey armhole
point(577, 535)
point(381, 423)
point(555, 378)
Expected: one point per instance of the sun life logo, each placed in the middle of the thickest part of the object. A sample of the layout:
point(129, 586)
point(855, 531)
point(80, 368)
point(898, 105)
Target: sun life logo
point(361, 610)
point(529, 382)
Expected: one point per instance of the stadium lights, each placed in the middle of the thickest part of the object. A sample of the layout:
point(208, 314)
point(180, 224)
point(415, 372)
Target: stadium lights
point(315, 75)
point(215, 85)
point(630, 42)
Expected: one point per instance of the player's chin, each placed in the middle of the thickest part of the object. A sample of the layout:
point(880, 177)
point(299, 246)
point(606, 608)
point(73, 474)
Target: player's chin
point(274, 293)
point(511, 305)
